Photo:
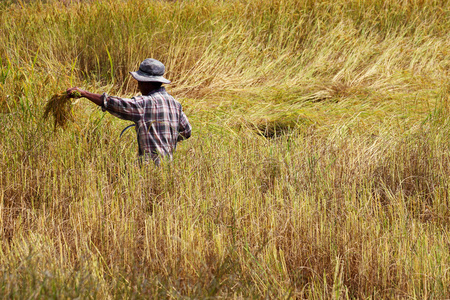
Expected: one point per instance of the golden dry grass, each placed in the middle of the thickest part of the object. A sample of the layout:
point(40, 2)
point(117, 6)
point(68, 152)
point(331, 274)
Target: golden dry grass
point(318, 168)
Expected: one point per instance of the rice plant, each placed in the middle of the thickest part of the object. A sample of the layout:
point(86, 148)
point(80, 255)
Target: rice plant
point(59, 106)
point(318, 167)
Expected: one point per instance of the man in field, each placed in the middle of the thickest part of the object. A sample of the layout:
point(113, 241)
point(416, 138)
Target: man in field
point(159, 119)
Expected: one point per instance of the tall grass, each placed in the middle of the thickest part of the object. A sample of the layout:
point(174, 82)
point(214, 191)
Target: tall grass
point(318, 167)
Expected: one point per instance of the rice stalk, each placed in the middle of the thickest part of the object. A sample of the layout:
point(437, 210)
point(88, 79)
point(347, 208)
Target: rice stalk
point(60, 107)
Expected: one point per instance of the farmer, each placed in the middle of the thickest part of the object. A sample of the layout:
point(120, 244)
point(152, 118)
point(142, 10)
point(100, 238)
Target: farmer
point(159, 119)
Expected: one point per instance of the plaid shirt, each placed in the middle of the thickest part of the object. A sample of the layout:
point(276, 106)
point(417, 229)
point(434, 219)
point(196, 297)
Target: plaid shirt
point(159, 119)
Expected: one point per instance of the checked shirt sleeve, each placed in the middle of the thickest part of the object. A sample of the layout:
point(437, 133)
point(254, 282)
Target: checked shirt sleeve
point(124, 108)
point(184, 129)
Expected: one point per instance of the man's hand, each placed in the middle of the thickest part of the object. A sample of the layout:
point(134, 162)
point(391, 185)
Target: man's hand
point(76, 92)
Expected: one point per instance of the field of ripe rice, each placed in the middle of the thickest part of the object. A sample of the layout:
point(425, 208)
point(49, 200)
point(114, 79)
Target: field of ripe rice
point(318, 167)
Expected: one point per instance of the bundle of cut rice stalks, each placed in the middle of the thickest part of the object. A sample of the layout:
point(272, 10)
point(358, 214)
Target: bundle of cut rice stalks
point(60, 107)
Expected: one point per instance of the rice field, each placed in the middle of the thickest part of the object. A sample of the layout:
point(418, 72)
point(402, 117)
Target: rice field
point(318, 166)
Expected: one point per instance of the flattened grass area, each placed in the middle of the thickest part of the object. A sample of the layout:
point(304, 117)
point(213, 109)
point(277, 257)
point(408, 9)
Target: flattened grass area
point(318, 167)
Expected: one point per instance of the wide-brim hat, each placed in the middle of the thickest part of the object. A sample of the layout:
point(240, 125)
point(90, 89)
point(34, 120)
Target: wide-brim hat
point(150, 70)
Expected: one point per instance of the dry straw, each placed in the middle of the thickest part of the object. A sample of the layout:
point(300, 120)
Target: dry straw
point(60, 106)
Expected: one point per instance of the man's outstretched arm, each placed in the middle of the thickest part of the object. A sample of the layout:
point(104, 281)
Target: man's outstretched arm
point(127, 109)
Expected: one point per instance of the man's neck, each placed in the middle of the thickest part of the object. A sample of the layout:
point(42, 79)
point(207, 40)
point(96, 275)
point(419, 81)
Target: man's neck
point(151, 91)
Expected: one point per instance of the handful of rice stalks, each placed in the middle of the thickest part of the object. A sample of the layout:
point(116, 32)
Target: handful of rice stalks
point(60, 106)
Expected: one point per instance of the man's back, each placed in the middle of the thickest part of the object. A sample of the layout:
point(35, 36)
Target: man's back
point(159, 118)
